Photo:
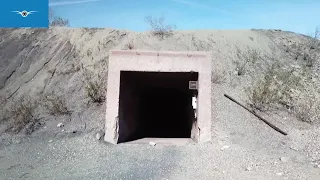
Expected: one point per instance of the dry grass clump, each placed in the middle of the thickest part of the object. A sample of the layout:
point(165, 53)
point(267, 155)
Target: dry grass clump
point(95, 87)
point(54, 104)
point(21, 114)
point(129, 45)
point(3, 109)
point(308, 109)
point(245, 58)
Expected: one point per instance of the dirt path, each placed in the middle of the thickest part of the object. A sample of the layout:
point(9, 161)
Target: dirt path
point(83, 157)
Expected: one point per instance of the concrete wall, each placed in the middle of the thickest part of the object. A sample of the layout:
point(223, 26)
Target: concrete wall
point(162, 61)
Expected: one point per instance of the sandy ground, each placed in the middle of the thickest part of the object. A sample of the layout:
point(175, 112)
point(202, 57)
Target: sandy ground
point(83, 157)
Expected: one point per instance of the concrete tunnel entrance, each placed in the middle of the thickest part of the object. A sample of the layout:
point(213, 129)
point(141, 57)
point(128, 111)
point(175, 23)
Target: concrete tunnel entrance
point(155, 105)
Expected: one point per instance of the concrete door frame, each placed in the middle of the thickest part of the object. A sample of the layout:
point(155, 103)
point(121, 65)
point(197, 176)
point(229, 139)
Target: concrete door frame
point(159, 61)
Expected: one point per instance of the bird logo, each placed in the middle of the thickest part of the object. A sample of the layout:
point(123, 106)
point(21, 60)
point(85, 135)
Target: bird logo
point(24, 13)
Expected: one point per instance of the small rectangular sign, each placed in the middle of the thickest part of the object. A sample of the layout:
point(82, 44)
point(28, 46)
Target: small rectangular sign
point(193, 84)
point(24, 14)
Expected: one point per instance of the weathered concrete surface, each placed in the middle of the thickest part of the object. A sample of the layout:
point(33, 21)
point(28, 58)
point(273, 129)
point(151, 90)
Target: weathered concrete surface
point(162, 61)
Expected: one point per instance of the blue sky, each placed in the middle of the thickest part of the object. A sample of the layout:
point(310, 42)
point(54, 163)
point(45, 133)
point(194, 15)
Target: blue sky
point(300, 16)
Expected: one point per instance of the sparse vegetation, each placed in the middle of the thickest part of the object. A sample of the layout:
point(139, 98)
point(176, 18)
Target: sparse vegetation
point(308, 109)
point(3, 102)
point(250, 56)
point(89, 52)
point(54, 104)
point(95, 87)
point(307, 51)
point(57, 21)
point(21, 114)
point(129, 45)
point(275, 87)
point(159, 28)
point(201, 45)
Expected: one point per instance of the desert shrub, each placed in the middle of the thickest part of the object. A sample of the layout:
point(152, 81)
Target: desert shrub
point(275, 87)
point(3, 102)
point(218, 77)
point(307, 50)
point(200, 45)
point(55, 105)
point(55, 21)
point(21, 113)
point(3, 110)
point(307, 109)
point(313, 42)
point(59, 21)
point(245, 58)
point(95, 87)
point(89, 52)
point(129, 45)
point(159, 28)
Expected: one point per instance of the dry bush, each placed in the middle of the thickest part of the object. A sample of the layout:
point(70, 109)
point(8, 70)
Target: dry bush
point(218, 77)
point(245, 58)
point(55, 21)
point(89, 52)
point(308, 109)
point(201, 45)
point(313, 42)
point(3, 110)
point(275, 87)
point(95, 87)
point(129, 45)
point(3, 102)
point(55, 105)
point(308, 50)
point(21, 114)
point(159, 28)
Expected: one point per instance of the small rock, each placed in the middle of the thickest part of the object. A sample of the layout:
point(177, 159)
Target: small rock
point(248, 168)
point(16, 141)
point(284, 159)
point(60, 125)
point(50, 141)
point(293, 148)
point(99, 135)
point(224, 147)
point(317, 166)
point(152, 143)
point(279, 173)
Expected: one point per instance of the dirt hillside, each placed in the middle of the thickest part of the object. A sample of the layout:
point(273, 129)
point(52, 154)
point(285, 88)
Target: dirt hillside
point(58, 75)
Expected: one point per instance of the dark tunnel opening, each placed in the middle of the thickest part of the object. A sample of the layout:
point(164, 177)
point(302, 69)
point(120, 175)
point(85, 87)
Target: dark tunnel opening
point(155, 105)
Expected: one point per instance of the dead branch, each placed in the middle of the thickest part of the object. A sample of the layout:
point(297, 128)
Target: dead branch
point(262, 119)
